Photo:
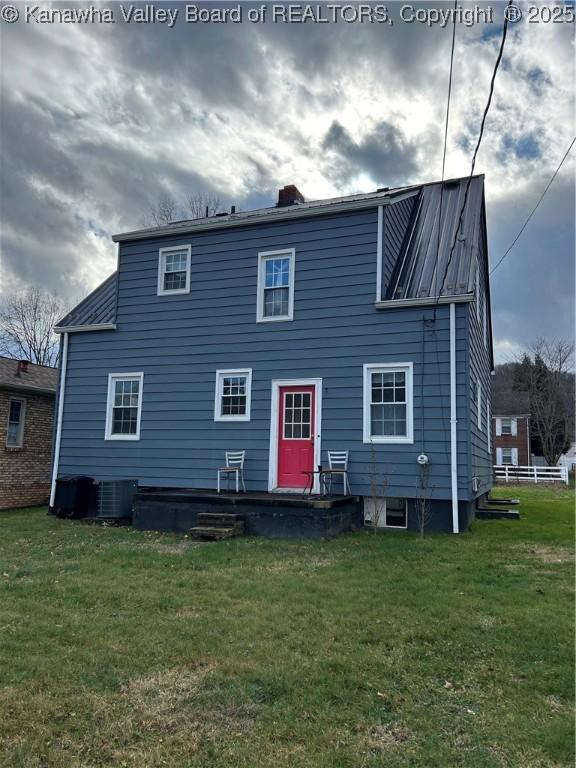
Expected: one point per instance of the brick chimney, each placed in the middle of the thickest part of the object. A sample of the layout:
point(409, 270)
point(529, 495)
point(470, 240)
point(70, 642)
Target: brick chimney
point(290, 195)
point(22, 367)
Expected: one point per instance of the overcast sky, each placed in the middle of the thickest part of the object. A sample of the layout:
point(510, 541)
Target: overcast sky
point(99, 120)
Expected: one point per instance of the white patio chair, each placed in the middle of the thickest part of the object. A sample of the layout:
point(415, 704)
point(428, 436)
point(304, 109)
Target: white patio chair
point(235, 466)
point(338, 466)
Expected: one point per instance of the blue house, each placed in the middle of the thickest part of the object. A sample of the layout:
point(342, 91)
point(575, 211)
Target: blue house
point(359, 324)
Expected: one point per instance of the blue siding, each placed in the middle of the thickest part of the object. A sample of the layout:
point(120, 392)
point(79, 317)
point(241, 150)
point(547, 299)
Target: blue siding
point(479, 370)
point(180, 341)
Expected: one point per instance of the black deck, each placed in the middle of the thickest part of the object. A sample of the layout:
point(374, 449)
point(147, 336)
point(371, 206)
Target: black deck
point(275, 515)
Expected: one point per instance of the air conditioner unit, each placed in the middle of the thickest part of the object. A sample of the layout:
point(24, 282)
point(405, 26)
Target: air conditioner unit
point(115, 499)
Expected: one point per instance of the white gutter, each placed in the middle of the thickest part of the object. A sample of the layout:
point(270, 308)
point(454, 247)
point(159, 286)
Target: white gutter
point(83, 328)
point(63, 364)
point(379, 254)
point(453, 421)
point(425, 301)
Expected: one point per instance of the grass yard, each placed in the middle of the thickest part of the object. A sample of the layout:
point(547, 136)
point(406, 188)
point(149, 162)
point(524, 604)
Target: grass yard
point(120, 648)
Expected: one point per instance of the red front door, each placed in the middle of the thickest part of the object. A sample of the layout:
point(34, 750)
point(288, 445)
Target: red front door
point(296, 431)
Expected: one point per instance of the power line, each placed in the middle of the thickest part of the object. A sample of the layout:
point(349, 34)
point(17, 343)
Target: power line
point(482, 124)
point(533, 211)
point(446, 130)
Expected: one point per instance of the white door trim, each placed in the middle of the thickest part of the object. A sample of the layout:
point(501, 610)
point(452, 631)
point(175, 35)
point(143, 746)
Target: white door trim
point(274, 416)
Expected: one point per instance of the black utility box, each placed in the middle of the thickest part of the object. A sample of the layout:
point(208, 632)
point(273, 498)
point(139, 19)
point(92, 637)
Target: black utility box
point(75, 497)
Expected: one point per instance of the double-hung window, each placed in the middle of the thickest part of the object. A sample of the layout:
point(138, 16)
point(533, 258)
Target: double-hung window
point(174, 270)
point(508, 456)
point(233, 394)
point(506, 427)
point(124, 406)
point(275, 300)
point(15, 430)
point(388, 403)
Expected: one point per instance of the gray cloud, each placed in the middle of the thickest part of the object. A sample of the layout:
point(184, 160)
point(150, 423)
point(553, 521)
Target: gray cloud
point(98, 122)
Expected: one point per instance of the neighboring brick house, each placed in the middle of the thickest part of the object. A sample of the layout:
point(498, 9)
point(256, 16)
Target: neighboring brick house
point(511, 440)
point(27, 398)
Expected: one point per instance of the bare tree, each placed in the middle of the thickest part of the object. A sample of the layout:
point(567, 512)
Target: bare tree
point(27, 321)
point(422, 500)
point(379, 483)
point(164, 212)
point(167, 209)
point(203, 204)
point(544, 373)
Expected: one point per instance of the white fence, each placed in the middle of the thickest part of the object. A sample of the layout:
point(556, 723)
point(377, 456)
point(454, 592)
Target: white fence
point(511, 474)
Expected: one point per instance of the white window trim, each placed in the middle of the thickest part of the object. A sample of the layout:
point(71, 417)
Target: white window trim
point(112, 378)
point(20, 441)
point(161, 262)
point(263, 256)
point(369, 369)
point(479, 403)
point(220, 374)
point(507, 434)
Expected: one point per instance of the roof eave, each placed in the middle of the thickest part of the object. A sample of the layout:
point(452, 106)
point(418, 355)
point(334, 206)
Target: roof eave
point(280, 214)
point(28, 389)
point(424, 301)
point(85, 328)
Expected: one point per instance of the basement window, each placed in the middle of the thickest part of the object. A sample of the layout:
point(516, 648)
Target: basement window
point(15, 430)
point(233, 394)
point(396, 513)
point(124, 406)
point(174, 270)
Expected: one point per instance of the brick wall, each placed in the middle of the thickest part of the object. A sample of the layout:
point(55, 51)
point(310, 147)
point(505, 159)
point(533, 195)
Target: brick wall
point(519, 441)
point(25, 472)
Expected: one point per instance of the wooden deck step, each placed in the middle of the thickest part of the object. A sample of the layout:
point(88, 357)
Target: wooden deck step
point(211, 532)
point(219, 518)
point(217, 525)
point(497, 514)
point(503, 502)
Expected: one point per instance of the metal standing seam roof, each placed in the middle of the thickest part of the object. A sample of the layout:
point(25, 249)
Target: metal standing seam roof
point(420, 266)
point(98, 308)
point(422, 263)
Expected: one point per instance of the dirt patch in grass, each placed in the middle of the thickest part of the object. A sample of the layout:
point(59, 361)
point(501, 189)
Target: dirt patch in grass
point(383, 737)
point(547, 554)
point(297, 567)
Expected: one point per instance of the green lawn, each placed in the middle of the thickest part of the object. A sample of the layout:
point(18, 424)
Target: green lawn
point(120, 648)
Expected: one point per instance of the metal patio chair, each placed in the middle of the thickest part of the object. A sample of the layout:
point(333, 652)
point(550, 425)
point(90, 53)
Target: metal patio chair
point(235, 466)
point(338, 466)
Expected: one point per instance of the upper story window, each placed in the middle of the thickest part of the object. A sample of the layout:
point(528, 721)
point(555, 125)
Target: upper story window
point(15, 431)
point(233, 394)
point(388, 403)
point(124, 406)
point(275, 299)
point(506, 428)
point(174, 270)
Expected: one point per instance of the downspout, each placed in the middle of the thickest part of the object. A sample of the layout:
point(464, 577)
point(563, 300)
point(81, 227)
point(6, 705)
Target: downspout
point(379, 253)
point(58, 438)
point(453, 421)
